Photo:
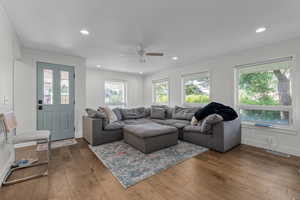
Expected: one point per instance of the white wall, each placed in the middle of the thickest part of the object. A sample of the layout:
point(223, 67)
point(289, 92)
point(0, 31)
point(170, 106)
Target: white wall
point(222, 90)
point(25, 86)
point(9, 51)
point(95, 79)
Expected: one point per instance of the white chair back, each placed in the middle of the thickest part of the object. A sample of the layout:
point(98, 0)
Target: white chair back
point(10, 122)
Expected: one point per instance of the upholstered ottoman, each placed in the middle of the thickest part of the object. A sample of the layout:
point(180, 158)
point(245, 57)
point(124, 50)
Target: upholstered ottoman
point(150, 137)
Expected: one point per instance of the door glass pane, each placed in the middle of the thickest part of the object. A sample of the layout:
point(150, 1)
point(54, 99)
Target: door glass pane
point(48, 86)
point(64, 87)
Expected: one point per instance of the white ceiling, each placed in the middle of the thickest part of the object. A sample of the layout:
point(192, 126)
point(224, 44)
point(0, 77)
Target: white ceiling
point(189, 29)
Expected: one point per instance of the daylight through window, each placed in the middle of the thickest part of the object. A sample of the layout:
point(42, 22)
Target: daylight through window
point(196, 88)
point(265, 92)
point(115, 93)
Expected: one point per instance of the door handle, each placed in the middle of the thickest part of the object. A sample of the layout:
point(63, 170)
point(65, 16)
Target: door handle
point(40, 107)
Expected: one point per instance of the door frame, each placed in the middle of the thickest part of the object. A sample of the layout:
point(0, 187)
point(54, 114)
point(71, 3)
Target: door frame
point(37, 97)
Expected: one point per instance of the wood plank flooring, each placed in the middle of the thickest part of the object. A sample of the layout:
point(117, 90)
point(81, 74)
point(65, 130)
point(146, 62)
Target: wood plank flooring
point(245, 173)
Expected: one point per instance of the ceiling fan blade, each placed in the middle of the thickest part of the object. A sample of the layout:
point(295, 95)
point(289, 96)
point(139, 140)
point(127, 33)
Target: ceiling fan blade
point(154, 54)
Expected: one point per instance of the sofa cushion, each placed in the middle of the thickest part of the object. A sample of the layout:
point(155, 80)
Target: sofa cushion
point(114, 125)
point(158, 113)
point(111, 116)
point(172, 122)
point(184, 113)
point(196, 129)
point(149, 130)
point(207, 122)
point(133, 113)
point(147, 112)
point(136, 121)
point(169, 110)
point(95, 114)
point(118, 113)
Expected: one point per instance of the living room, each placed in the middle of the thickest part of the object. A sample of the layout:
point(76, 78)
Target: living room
point(133, 81)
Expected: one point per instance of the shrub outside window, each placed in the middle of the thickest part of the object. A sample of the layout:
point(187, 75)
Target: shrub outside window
point(196, 88)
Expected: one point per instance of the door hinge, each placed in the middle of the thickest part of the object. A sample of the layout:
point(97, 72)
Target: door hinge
point(74, 129)
point(74, 75)
point(74, 101)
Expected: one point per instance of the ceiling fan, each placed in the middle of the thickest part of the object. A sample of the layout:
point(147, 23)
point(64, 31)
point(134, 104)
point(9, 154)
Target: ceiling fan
point(142, 53)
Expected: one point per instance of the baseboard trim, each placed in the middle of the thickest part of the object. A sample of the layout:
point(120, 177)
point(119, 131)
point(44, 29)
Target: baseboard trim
point(282, 149)
point(27, 144)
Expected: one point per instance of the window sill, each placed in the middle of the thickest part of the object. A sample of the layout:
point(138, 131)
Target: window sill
point(278, 129)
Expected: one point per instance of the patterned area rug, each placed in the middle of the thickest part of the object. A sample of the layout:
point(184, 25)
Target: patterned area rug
point(56, 144)
point(131, 166)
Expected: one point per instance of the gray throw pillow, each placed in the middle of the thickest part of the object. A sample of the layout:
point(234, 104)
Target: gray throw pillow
point(118, 113)
point(133, 113)
point(158, 113)
point(147, 112)
point(210, 120)
point(184, 113)
point(95, 113)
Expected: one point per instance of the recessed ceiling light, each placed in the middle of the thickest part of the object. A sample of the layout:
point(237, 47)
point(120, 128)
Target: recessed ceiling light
point(261, 29)
point(175, 58)
point(141, 72)
point(84, 32)
point(99, 66)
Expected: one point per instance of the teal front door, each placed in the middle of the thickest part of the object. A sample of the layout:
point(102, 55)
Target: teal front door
point(55, 100)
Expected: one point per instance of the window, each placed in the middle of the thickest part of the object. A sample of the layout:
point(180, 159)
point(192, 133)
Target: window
point(160, 91)
point(195, 88)
point(48, 86)
point(115, 93)
point(264, 92)
point(64, 87)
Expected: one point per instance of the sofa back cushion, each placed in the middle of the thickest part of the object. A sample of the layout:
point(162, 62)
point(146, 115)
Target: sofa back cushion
point(111, 116)
point(118, 113)
point(95, 113)
point(133, 113)
point(184, 113)
point(158, 113)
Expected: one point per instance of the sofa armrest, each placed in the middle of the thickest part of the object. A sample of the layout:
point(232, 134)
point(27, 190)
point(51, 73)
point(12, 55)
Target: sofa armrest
point(91, 128)
point(227, 134)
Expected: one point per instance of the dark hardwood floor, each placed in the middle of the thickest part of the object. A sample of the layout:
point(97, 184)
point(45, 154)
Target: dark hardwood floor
point(244, 173)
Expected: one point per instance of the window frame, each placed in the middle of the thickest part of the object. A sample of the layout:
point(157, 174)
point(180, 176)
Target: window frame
point(154, 94)
point(125, 92)
point(183, 77)
point(288, 108)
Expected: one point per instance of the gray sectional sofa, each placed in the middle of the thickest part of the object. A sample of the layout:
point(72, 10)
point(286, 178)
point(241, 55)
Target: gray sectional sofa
point(221, 136)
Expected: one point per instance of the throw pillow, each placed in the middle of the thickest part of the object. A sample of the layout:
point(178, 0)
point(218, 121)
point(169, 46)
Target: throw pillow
point(207, 123)
point(133, 113)
point(95, 113)
point(111, 116)
point(158, 113)
point(118, 113)
point(184, 113)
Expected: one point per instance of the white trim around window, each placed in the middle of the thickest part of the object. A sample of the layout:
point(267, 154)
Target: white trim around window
point(279, 63)
point(123, 84)
point(154, 94)
point(184, 77)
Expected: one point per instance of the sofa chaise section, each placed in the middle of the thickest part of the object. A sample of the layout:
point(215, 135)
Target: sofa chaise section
point(223, 136)
point(95, 133)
